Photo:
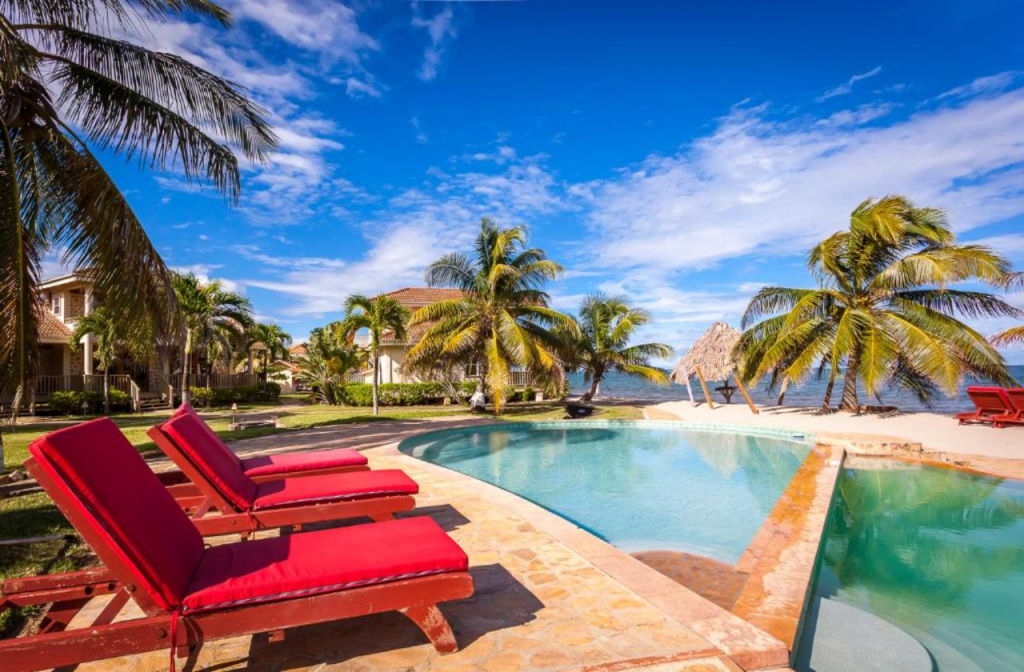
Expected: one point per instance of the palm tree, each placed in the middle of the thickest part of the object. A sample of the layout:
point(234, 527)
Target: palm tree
point(502, 320)
point(1013, 335)
point(327, 362)
point(600, 343)
point(101, 324)
point(69, 86)
point(379, 315)
point(884, 308)
point(276, 341)
point(207, 314)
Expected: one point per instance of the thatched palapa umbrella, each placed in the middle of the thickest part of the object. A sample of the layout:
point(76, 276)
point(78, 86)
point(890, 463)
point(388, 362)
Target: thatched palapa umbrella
point(711, 359)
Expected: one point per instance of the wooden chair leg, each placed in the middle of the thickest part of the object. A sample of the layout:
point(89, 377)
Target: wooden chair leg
point(435, 626)
point(381, 517)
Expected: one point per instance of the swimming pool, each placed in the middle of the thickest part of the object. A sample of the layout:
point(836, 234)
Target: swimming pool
point(937, 552)
point(639, 486)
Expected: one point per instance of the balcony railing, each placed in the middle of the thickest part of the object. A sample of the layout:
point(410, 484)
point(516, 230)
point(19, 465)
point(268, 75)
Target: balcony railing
point(46, 385)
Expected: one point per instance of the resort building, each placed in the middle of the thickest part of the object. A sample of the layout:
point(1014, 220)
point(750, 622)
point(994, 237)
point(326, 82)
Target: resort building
point(392, 350)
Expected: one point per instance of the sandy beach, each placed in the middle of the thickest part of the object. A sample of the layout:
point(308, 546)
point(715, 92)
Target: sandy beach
point(937, 433)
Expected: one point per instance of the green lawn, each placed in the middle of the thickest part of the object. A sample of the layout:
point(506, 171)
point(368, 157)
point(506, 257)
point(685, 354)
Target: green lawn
point(36, 516)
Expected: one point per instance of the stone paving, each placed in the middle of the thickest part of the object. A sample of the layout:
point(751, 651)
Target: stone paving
point(538, 605)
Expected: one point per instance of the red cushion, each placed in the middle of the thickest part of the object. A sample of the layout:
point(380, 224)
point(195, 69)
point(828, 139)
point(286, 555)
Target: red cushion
point(213, 458)
point(334, 487)
point(323, 561)
point(290, 463)
point(186, 409)
point(128, 507)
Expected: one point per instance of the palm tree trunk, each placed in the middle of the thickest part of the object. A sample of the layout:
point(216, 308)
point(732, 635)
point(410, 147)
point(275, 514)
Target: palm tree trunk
point(595, 388)
point(376, 371)
point(850, 402)
point(782, 392)
point(106, 390)
point(826, 403)
point(185, 396)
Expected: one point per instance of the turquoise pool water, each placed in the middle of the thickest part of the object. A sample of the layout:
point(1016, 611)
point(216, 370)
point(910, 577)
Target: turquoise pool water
point(937, 552)
point(638, 487)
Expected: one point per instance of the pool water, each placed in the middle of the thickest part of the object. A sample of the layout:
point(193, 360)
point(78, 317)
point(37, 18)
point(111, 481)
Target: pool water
point(937, 552)
point(638, 487)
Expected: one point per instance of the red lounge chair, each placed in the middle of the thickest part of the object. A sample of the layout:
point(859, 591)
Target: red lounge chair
point(245, 505)
point(271, 467)
point(1016, 395)
point(989, 402)
point(189, 594)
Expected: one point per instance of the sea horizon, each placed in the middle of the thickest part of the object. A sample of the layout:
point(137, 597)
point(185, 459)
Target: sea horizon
point(808, 393)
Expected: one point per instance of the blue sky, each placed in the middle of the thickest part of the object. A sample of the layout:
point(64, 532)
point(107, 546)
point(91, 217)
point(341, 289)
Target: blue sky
point(684, 153)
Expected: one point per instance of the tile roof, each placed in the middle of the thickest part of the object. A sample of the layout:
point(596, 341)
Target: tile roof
point(422, 296)
point(51, 328)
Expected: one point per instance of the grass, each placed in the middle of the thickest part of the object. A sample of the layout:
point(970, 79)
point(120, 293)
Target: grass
point(36, 516)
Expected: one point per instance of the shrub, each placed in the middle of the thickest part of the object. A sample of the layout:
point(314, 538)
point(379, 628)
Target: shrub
point(70, 403)
point(401, 394)
point(224, 396)
point(200, 397)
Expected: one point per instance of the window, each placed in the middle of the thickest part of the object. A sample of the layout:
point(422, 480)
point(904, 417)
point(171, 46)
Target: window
point(55, 304)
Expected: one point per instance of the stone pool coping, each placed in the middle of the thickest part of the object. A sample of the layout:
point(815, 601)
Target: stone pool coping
point(763, 628)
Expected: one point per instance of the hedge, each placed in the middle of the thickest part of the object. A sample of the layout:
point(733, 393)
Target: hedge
point(401, 394)
point(222, 396)
point(70, 403)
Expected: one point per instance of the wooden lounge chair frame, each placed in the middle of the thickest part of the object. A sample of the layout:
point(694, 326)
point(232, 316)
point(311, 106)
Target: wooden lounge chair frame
point(55, 646)
point(986, 416)
point(1016, 396)
point(228, 520)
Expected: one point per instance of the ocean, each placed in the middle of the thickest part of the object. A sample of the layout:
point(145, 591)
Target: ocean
point(809, 393)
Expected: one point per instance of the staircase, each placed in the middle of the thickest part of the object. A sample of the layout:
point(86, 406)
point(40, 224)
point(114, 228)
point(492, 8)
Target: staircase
point(151, 401)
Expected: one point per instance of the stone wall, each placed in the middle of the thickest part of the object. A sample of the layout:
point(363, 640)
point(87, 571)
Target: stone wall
point(77, 361)
point(74, 304)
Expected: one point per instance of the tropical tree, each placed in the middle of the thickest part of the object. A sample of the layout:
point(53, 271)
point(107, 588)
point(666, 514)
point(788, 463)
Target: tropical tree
point(599, 343)
point(109, 342)
point(1013, 335)
point(379, 315)
point(207, 314)
point(69, 86)
point(327, 362)
point(884, 308)
point(502, 319)
point(276, 341)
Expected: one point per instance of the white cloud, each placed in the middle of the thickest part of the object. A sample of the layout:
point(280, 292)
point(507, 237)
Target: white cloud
point(847, 86)
point(328, 28)
point(409, 232)
point(755, 185)
point(982, 85)
point(357, 88)
point(421, 137)
point(205, 274)
point(440, 29)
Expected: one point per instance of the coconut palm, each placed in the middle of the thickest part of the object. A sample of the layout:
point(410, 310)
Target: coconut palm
point(207, 314)
point(327, 362)
point(600, 343)
point(69, 86)
point(379, 316)
point(109, 341)
point(276, 341)
point(884, 308)
point(502, 320)
point(1013, 335)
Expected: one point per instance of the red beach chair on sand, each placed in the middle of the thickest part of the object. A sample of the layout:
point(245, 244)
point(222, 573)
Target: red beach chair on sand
point(1016, 395)
point(244, 505)
point(189, 593)
point(989, 402)
point(271, 467)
